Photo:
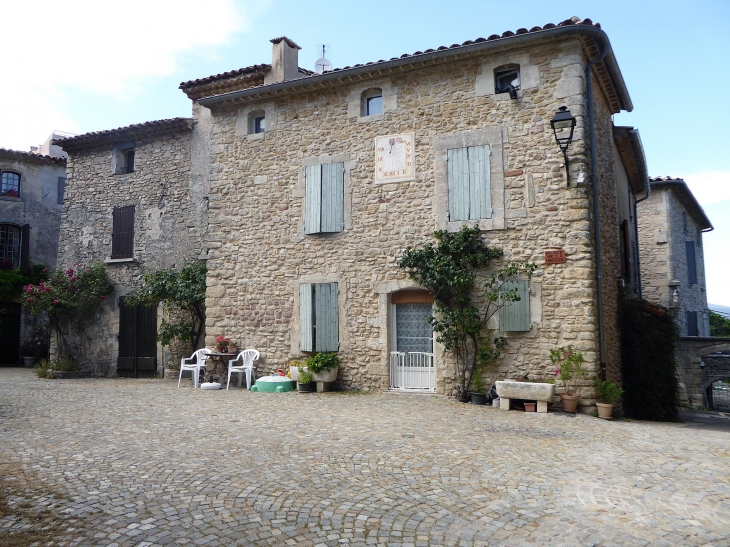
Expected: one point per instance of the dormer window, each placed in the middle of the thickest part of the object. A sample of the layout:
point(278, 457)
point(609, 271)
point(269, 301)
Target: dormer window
point(372, 102)
point(123, 158)
point(257, 122)
point(507, 80)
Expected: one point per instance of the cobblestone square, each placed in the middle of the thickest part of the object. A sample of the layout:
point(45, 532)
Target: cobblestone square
point(145, 463)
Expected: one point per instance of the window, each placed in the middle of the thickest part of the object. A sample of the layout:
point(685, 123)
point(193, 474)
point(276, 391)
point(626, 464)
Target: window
point(123, 232)
point(123, 158)
point(318, 314)
point(469, 183)
point(507, 80)
point(515, 316)
point(257, 122)
point(9, 184)
point(61, 189)
point(9, 246)
point(691, 263)
point(324, 198)
point(692, 329)
point(372, 102)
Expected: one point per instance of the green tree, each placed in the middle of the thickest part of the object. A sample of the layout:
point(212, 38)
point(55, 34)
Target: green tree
point(12, 281)
point(719, 323)
point(182, 292)
point(72, 299)
point(449, 270)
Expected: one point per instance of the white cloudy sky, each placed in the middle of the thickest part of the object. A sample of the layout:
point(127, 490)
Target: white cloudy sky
point(86, 65)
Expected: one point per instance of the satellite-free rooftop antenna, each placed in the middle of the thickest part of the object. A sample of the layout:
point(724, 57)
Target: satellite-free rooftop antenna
point(323, 65)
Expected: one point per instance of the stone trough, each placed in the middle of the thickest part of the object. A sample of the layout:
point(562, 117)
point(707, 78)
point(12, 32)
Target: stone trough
point(528, 391)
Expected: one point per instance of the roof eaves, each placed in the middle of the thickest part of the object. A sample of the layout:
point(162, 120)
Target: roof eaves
point(19, 155)
point(571, 27)
point(146, 129)
point(632, 155)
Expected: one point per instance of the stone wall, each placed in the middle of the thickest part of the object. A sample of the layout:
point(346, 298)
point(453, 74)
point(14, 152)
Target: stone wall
point(692, 353)
point(259, 254)
point(167, 226)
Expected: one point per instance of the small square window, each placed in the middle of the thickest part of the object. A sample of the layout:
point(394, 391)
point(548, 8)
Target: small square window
point(123, 158)
point(10, 184)
point(506, 81)
point(259, 124)
point(372, 102)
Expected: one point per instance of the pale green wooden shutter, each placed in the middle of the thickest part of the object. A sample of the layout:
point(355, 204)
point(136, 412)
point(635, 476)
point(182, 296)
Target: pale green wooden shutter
point(333, 197)
point(515, 316)
point(305, 317)
point(480, 194)
point(313, 199)
point(326, 321)
point(458, 165)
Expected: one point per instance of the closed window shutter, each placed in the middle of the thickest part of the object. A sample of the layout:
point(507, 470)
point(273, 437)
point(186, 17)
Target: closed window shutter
point(25, 249)
point(326, 321)
point(691, 263)
point(305, 318)
point(61, 189)
point(123, 232)
point(313, 199)
point(515, 316)
point(458, 166)
point(480, 194)
point(692, 329)
point(333, 197)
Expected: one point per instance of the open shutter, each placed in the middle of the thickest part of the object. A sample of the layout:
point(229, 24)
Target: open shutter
point(333, 197)
point(691, 263)
point(458, 164)
point(692, 329)
point(25, 249)
point(515, 316)
point(313, 199)
point(480, 193)
point(123, 232)
point(326, 323)
point(305, 317)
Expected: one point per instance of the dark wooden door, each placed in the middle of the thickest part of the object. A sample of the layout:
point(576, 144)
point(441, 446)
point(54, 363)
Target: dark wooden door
point(9, 333)
point(137, 341)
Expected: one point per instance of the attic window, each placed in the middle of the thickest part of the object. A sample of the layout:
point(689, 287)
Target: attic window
point(123, 158)
point(256, 122)
point(507, 79)
point(372, 102)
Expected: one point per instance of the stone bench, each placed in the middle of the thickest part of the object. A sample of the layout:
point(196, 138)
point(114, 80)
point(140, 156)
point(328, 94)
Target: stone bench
point(528, 391)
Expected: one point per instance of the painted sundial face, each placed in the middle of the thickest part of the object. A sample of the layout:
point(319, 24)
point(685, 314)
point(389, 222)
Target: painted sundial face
point(394, 158)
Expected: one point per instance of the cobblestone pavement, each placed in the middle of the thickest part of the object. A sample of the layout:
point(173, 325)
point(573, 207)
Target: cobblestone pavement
point(141, 462)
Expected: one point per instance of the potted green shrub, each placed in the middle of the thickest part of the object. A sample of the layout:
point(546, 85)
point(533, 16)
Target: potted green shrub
point(306, 383)
point(323, 367)
point(607, 395)
point(478, 397)
point(569, 366)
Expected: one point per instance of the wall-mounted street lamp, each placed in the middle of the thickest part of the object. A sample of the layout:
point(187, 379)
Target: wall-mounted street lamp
point(563, 125)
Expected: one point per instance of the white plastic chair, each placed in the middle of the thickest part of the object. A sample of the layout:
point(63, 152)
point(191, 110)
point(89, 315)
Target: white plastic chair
point(243, 363)
point(195, 362)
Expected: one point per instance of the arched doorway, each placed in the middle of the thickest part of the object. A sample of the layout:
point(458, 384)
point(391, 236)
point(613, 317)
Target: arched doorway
point(716, 381)
point(411, 357)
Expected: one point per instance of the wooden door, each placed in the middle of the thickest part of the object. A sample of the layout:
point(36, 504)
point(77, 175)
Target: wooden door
point(137, 341)
point(9, 333)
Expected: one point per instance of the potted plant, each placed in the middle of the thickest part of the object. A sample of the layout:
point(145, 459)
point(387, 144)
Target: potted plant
point(295, 366)
point(232, 347)
point(569, 366)
point(478, 397)
point(306, 383)
point(607, 395)
point(323, 367)
point(221, 343)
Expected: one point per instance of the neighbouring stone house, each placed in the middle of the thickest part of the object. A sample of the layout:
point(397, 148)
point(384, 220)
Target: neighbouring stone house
point(318, 182)
point(31, 193)
point(671, 223)
point(136, 201)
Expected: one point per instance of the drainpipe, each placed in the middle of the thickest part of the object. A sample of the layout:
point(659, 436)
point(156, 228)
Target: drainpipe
point(636, 233)
point(596, 222)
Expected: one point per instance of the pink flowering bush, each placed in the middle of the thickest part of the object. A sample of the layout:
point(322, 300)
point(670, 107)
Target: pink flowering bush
point(71, 299)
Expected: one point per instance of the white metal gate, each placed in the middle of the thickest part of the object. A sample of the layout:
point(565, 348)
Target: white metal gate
point(413, 371)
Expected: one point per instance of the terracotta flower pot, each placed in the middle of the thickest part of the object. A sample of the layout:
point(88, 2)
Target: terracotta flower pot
point(570, 402)
point(530, 407)
point(605, 410)
point(232, 349)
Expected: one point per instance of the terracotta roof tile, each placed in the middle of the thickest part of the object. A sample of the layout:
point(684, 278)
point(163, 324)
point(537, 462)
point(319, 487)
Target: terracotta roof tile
point(231, 74)
point(18, 155)
point(155, 127)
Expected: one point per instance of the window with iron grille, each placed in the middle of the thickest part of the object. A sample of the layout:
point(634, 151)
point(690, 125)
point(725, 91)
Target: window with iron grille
point(9, 246)
point(123, 232)
point(9, 184)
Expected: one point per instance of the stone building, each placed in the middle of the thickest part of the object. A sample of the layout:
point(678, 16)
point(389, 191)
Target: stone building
point(318, 182)
point(135, 202)
point(671, 223)
point(31, 193)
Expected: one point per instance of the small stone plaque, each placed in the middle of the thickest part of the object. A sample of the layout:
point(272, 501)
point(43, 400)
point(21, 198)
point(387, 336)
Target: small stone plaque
point(555, 257)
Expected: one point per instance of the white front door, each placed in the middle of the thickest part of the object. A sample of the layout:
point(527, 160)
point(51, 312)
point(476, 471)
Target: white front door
point(411, 361)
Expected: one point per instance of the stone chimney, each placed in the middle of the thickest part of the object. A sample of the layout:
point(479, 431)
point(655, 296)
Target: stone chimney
point(284, 62)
